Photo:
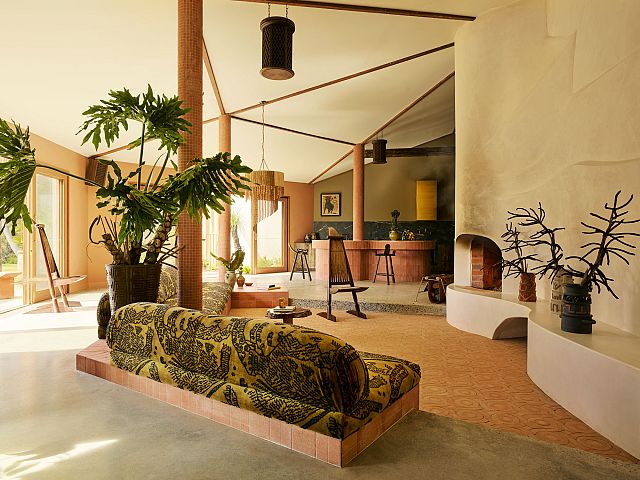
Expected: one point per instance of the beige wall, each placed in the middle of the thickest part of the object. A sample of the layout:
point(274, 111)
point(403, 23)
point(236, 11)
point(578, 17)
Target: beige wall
point(393, 186)
point(66, 160)
point(300, 211)
point(547, 110)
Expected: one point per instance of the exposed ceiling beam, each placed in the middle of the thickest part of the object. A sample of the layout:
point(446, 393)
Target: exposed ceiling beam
point(416, 152)
point(113, 150)
point(343, 79)
point(393, 119)
point(297, 132)
point(365, 9)
point(410, 106)
point(331, 166)
point(212, 77)
point(316, 87)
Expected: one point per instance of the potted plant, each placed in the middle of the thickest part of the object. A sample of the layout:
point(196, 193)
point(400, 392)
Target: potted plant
point(609, 242)
point(142, 210)
point(231, 265)
point(545, 236)
point(393, 234)
point(519, 266)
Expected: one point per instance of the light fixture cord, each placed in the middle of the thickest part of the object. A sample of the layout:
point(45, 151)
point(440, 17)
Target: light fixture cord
point(286, 10)
point(263, 163)
point(268, 9)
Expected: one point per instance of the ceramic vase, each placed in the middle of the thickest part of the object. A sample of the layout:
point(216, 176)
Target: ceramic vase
point(576, 309)
point(393, 235)
point(560, 279)
point(240, 279)
point(527, 291)
point(230, 277)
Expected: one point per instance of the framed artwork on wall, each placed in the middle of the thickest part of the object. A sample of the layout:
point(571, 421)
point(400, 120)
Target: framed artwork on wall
point(330, 204)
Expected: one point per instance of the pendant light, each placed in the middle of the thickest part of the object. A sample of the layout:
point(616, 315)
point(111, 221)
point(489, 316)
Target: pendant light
point(277, 46)
point(267, 186)
point(379, 151)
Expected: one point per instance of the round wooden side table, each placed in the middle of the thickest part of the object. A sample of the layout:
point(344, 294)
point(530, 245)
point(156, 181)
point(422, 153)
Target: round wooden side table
point(287, 317)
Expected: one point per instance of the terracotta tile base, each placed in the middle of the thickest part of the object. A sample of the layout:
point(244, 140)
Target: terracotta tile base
point(94, 360)
point(251, 297)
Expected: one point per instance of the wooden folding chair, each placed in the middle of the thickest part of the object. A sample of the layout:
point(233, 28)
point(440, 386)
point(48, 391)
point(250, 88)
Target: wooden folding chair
point(53, 275)
point(340, 274)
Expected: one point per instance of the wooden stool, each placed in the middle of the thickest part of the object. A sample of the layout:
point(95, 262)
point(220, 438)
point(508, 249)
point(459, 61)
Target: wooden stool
point(388, 260)
point(303, 254)
point(436, 287)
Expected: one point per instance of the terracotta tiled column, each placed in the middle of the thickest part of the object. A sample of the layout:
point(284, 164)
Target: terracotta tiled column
point(190, 91)
point(224, 219)
point(358, 192)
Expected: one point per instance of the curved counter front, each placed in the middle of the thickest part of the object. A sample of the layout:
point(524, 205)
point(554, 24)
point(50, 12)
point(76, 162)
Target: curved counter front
point(411, 262)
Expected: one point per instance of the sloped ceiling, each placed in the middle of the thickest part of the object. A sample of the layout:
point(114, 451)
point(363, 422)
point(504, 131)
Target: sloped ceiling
point(60, 57)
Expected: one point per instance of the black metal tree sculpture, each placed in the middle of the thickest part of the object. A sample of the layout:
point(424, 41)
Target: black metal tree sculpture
point(576, 312)
point(545, 237)
point(519, 266)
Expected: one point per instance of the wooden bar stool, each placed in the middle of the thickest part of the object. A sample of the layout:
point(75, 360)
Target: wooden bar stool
point(388, 260)
point(303, 255)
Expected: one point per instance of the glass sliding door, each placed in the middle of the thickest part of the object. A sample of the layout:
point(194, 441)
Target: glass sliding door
point(270, 242)
point(48, 195)
point(11, 268)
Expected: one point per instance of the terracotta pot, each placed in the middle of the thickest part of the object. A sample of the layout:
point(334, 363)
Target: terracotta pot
point(393, 235)
point(527, 292)
point(240, 280)
point(576, 309)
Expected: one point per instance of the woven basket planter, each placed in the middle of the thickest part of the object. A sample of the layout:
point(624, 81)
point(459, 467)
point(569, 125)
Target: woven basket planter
point(132, 283)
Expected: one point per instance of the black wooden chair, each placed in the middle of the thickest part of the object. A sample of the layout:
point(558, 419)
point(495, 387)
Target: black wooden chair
point(303, 255)
point(388, 260)
point(340, 278)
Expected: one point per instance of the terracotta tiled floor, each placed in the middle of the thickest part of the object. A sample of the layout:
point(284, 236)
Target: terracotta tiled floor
point(466, 377)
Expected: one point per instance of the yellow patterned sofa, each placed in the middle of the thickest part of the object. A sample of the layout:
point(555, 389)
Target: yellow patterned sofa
point(216, 298)
point(291, 373)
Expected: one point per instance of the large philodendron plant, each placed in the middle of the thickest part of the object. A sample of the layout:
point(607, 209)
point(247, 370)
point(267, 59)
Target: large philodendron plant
point(142, 210)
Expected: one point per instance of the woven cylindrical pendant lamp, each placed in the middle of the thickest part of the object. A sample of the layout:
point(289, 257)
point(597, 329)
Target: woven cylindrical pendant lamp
point(267, 186)
point(277, 48)
point(379, 151)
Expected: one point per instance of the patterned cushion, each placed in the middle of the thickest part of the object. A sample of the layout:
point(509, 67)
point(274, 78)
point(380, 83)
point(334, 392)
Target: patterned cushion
point(214, 297)
point(292, 373)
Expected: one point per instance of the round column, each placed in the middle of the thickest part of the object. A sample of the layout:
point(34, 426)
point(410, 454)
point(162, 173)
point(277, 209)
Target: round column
point(224, 219)
point(190, 92)
point(358, 192)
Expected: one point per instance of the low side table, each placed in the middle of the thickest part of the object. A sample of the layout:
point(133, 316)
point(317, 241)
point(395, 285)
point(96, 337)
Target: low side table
point(287, 317)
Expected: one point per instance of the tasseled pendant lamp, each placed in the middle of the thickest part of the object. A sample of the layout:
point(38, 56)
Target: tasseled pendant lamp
point(277, 47)
point(267, 186)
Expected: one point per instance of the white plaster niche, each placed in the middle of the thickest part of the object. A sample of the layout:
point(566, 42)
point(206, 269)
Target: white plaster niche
point(476, 303)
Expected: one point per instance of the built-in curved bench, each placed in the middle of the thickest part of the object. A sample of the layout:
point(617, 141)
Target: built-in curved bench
point(595, 377)
point(491, 314)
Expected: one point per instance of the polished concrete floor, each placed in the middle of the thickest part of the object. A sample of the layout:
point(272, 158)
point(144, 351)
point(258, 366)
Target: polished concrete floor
point(56, 423)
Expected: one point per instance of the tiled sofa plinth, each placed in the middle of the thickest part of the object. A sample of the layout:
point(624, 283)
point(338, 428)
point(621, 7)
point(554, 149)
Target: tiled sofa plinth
point(253, 297)
point(94, 360)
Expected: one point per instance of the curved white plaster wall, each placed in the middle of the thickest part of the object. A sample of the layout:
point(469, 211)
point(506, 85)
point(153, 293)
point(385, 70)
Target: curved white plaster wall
point(547, 109)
